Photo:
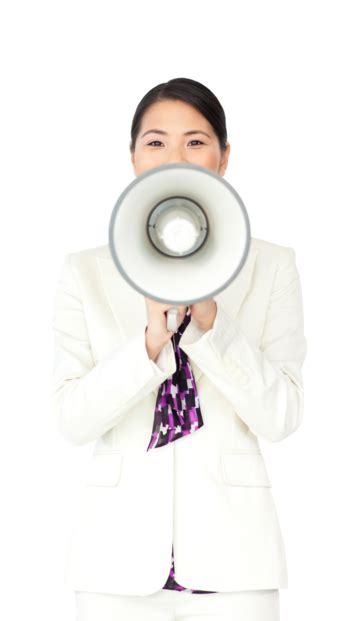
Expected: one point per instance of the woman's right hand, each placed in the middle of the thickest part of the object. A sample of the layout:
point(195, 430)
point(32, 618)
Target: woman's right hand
point(157, 334)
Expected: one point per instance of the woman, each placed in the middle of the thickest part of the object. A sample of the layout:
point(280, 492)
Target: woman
point(156, 498)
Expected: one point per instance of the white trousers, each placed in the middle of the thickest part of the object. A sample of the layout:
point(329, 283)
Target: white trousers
point(168, 605)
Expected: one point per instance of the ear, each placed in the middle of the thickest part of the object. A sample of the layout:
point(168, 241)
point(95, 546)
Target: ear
point(224, 159)
point(132, 157)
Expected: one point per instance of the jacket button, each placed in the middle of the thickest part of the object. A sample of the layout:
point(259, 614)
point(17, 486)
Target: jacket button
point(238, 372)
point(244, 377)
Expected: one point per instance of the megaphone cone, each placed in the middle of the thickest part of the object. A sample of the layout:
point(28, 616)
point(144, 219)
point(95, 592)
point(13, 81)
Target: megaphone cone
point(179, 234)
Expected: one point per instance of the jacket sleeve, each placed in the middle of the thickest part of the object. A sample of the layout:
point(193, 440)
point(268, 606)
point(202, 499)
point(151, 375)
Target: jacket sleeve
point(264, 385)
point(88, 399)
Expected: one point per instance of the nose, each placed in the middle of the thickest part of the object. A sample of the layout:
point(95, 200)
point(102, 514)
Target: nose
point(176, 160)
point(176, 157)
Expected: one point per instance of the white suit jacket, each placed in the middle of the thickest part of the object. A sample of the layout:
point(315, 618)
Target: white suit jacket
point(209, 492)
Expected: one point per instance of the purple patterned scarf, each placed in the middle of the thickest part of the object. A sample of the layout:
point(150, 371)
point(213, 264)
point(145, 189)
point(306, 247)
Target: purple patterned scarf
point(177, 409)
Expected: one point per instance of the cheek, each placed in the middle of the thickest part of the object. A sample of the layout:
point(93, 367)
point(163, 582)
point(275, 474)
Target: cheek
point(148, 155)
point(211, 158)
point(145, 159)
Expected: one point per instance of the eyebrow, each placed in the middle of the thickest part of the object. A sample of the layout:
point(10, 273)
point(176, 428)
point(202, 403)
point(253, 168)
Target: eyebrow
point(189, 133)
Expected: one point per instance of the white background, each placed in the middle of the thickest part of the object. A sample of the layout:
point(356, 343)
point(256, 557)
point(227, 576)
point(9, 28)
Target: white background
point(287, 75)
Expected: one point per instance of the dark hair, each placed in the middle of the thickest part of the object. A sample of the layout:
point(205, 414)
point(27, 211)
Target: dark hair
point(193, 93)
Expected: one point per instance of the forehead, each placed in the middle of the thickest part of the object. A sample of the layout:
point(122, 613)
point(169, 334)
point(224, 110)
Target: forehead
point(174, 115)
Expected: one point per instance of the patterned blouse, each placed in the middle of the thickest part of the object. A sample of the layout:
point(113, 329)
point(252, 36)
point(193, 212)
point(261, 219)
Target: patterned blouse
point(177, 414)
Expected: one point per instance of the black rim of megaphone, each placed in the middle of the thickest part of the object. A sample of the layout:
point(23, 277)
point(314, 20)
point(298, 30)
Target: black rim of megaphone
point(156, 170)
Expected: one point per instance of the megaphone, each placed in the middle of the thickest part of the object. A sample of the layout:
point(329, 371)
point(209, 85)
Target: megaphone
point(179, 233)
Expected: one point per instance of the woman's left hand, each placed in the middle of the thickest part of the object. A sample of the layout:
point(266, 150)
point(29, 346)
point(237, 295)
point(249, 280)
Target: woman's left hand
point(204, 313)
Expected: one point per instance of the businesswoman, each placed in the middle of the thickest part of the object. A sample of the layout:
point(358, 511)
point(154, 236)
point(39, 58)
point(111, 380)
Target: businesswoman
point(176, 519)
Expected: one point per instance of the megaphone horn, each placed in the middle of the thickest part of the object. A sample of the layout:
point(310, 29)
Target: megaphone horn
point(179, 234)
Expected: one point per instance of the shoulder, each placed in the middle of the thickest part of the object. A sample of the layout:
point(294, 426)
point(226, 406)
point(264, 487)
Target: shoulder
point(88, 256)
point(262, 245)
point(270, 253)
point(268, 248)
point(267, 253)
point(276, 263)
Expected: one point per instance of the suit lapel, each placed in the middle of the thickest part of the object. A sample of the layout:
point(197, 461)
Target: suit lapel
point(128, 306)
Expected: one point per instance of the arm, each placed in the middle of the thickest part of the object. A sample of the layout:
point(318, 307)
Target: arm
point(90, 399)
point(264, 384)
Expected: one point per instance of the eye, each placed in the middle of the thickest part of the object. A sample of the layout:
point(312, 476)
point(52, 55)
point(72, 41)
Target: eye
point(158, 141)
